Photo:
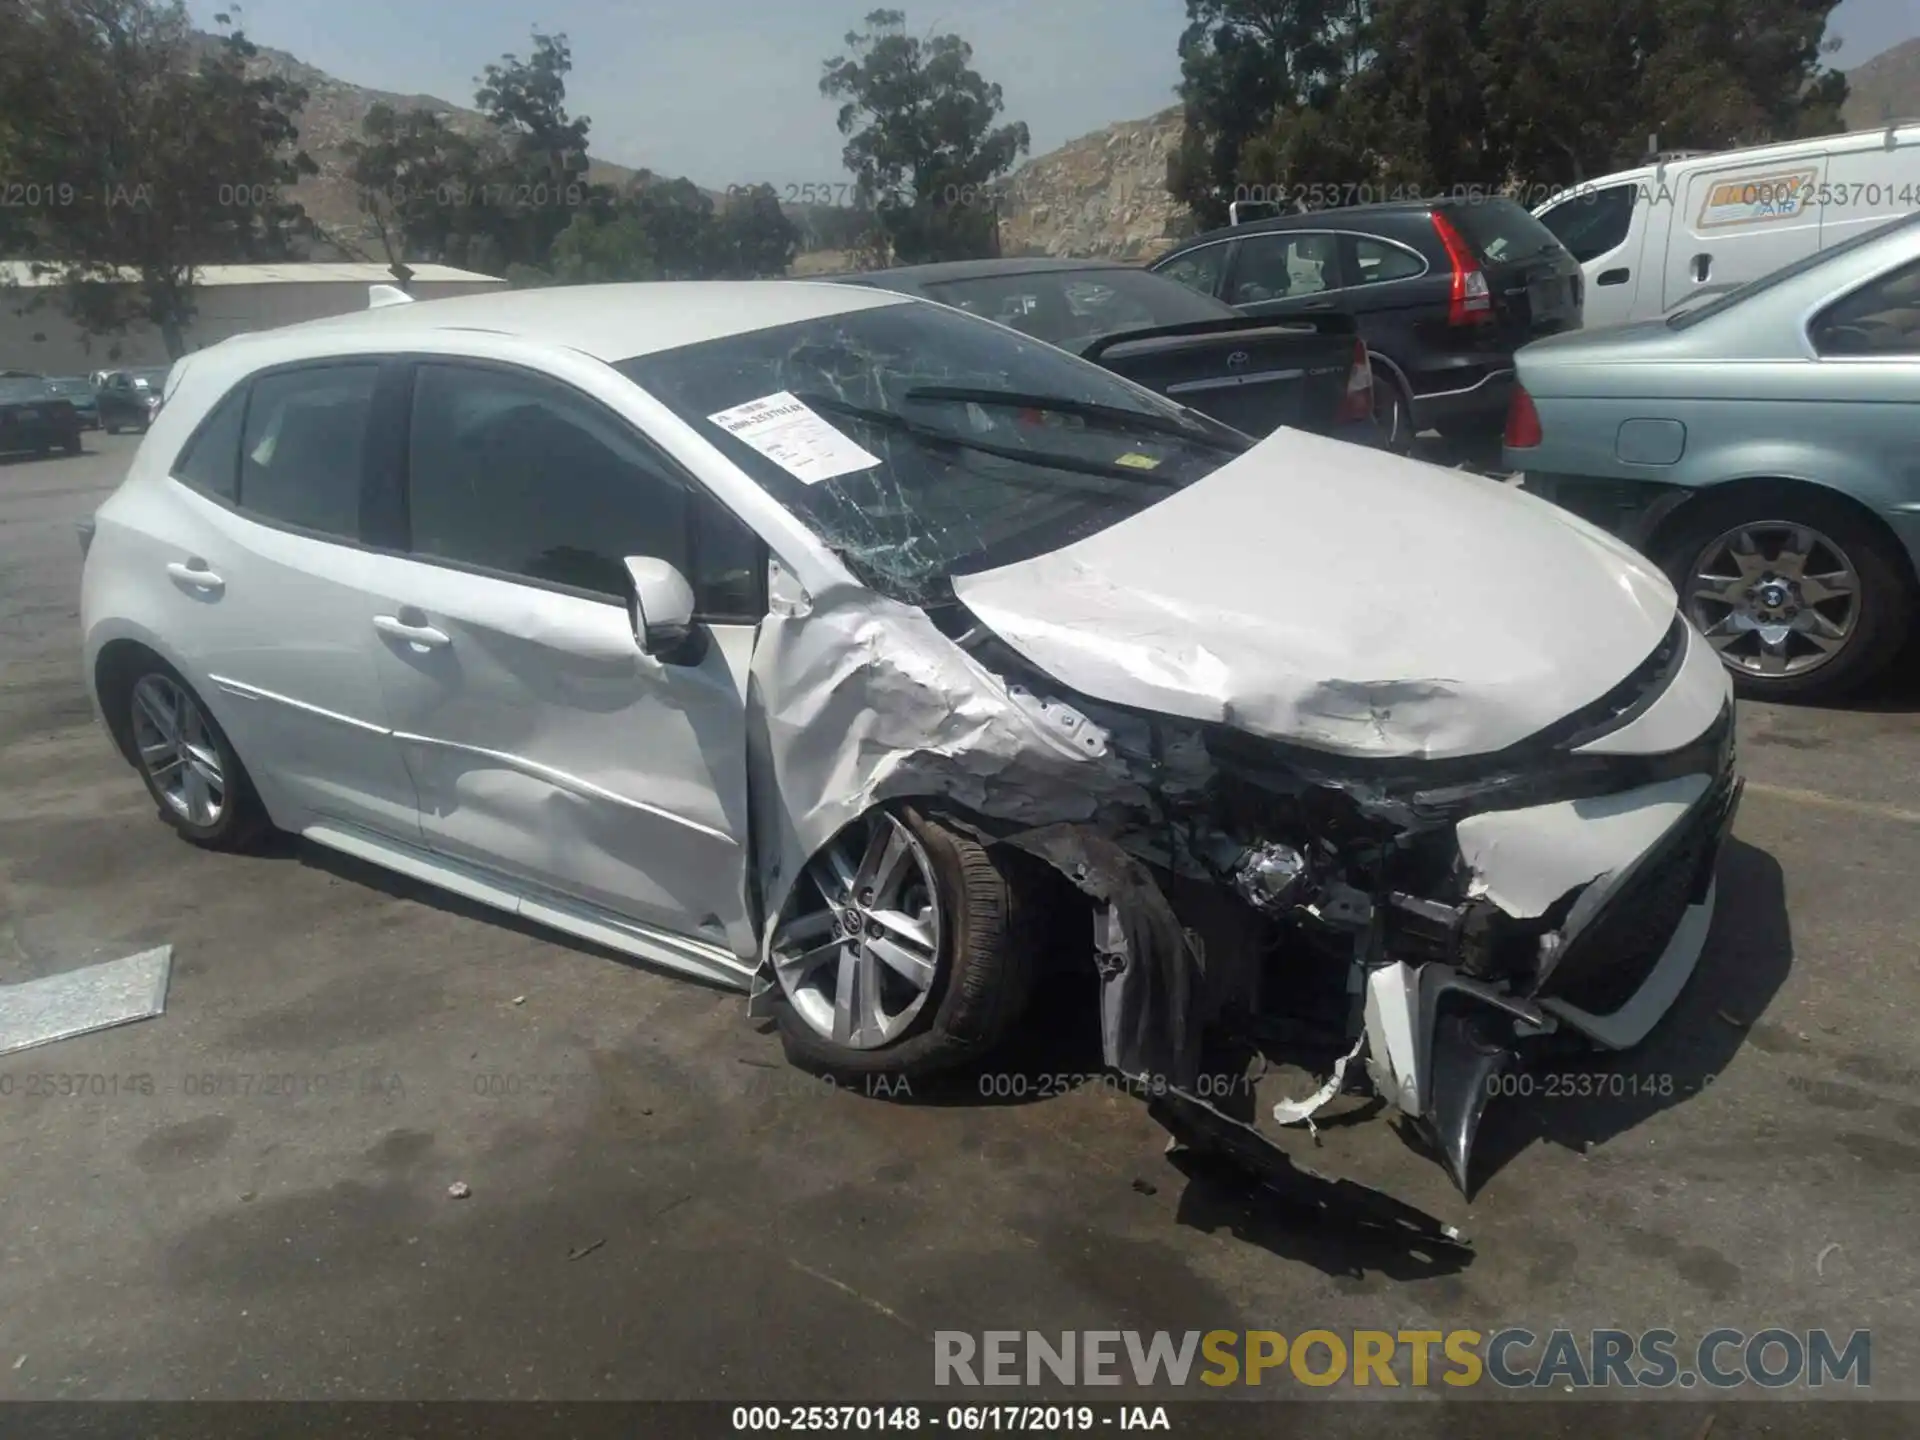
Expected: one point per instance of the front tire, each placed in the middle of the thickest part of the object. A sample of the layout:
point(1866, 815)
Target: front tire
point(1801, 596)
point(189, 766)
point(904, 951)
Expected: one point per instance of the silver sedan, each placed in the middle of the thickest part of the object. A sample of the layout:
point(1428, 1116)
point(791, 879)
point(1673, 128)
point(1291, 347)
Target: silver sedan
point(1761, 448)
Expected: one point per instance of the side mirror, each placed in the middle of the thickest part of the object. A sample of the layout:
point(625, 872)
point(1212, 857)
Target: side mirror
point(660, 601)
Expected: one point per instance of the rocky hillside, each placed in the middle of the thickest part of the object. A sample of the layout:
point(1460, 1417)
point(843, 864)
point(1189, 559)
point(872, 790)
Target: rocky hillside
point(1887, 87)
point(1104, 194)
point(332, 117)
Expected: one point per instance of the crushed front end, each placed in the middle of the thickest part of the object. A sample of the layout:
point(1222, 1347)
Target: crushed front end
point(1425, 918)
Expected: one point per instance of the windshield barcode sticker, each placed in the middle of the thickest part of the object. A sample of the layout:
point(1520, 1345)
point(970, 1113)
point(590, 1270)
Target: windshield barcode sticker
point(795, 438)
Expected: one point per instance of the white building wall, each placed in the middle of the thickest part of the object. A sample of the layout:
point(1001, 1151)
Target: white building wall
point(43, 340)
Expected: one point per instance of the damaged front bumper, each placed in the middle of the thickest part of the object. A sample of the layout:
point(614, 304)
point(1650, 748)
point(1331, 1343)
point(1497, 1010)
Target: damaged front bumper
point(1437, 1039)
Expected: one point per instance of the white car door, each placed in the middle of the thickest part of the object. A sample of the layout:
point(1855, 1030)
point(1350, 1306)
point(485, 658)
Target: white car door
point(546, 747)
point(251, 570)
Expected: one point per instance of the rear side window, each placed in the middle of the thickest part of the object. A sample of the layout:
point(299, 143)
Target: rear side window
point(300, 460)
point(211, 461)
point(1882, 317)
point(1198, 269)
point(1500, 230)
point(1593, 222)
point(1278, 267)
point(1376, 262)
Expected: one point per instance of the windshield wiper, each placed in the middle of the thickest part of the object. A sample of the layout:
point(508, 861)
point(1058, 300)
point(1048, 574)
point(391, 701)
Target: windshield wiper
point(934, 435)
point(1111, 415)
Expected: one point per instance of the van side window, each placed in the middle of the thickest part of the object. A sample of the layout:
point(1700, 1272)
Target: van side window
point(1882, 317)
point(1591, 224)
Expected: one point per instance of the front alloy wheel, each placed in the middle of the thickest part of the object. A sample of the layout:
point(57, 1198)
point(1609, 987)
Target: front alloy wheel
point(857, 956)
point(907, 949)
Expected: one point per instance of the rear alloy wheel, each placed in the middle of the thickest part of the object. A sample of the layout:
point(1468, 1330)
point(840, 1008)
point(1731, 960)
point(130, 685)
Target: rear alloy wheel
point(1809, 605)
point(898, 953)
point(189, 766)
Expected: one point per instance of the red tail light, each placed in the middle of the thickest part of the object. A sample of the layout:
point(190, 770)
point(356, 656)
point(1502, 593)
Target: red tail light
point(1357, 403)
point(1471, 302)
point(1523, 420)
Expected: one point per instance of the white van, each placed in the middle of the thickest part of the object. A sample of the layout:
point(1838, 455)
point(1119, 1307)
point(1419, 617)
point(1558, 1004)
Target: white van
point(1650, 239)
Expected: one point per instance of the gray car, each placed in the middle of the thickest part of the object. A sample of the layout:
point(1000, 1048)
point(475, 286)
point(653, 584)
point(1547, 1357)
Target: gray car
point(1761, 448)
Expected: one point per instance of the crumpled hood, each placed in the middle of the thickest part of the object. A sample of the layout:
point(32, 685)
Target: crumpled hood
point(1341, 598)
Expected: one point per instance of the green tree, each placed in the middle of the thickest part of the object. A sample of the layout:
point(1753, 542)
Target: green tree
point(1247, 67)
point(538, 182)
point(755, 236)
point(592, 251)
point(413, 176)
point(1352, 95)
point(924, 143)
point(169, 156)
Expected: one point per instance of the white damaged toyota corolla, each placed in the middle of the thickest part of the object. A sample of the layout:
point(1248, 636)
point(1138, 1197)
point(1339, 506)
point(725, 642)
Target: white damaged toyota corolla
point(873, 657)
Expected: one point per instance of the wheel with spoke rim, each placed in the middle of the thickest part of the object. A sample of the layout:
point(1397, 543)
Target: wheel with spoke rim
point(177, 751)
point(1799, 591)
point(908, 948)
point(186, 760)
point(1774, 597)
point(859, 951)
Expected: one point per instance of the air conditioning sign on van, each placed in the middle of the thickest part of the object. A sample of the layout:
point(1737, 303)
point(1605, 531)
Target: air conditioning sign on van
point(1757, 199)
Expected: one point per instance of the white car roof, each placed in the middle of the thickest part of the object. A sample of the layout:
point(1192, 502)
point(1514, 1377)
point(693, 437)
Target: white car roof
point(608, 322)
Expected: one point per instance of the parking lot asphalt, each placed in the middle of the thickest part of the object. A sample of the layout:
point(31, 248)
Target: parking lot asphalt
point(660, 1208)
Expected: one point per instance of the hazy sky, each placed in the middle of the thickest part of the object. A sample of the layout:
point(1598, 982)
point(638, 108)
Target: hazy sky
point(727, 91)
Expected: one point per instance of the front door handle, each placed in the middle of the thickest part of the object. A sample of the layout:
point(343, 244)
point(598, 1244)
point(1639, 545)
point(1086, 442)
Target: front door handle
point(1702, 268)
point(196, 575)
point(425, 636)
point(1612, 277)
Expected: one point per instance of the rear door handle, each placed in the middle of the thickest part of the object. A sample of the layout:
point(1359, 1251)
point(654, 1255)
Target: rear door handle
point(195, 575)
point(1612, 277)
point(424, 636)
point(1702, 268)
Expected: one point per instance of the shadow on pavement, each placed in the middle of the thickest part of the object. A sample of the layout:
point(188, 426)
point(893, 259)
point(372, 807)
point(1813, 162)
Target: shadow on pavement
point(1588, 1098)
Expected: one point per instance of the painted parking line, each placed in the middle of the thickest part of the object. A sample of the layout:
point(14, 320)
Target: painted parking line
point(1835, 802)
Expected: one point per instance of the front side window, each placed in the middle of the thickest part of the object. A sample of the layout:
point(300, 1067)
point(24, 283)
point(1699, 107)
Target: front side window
point(1882, 317)
point(300, 459)
point(520, 475)
point(1197, 269)
point(1281, 267)
point(919, 442)
point(1594, 222)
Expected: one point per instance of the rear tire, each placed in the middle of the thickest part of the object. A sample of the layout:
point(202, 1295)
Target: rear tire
point(984, 963)
point(72, 443)
point(1881, 612)
point(1394, 415)
point(189, 766)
